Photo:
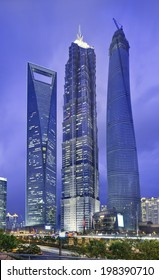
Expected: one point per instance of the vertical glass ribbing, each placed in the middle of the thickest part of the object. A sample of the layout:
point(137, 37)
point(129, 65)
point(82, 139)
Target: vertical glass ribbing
point(122, 165)
point(41, 147)
point(80, 187)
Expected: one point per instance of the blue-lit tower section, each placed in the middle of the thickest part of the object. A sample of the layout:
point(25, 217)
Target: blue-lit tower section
point(41, 147)
point(122, 164)
point(80, 186)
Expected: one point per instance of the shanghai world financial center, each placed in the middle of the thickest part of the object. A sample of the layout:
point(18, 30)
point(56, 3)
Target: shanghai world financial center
point(41, 147)
point(80, 174)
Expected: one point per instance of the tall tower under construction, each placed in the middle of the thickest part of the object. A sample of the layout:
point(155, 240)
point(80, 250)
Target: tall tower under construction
point(122, 164)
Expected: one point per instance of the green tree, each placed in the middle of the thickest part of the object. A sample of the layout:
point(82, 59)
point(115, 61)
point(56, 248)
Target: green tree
point(148, 250)
point(7, 242)
point(121, 249)
point(96, 249)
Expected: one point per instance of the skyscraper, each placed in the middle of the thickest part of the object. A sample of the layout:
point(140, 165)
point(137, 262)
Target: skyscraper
point(3, 201)
point(12, 221)
point(80, 186)
point(122, 165)
point(41, 147)
point(150, 209)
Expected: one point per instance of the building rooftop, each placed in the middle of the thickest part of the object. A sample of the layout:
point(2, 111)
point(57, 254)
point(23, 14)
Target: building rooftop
point(79, 41)
point(3, 179)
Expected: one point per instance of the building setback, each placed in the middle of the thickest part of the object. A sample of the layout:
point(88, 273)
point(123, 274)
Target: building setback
point(41, 147)
point(80, 186)
point(122, 165)
point(3, 201)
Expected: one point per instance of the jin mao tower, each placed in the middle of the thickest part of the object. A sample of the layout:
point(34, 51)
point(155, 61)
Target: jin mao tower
point(80, 187)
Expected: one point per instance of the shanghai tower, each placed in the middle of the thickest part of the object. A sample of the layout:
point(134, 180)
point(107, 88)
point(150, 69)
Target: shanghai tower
point(122, 164)
point(80, 186)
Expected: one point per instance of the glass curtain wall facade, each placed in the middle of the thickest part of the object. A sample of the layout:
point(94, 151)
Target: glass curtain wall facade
point(3, 202)
point(150, 209)
point(41, 147)
point(80, 186)
point(122, 164)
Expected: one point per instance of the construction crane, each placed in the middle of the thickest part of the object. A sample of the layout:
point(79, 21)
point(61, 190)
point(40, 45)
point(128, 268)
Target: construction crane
point(116, 24)
point(120, 59)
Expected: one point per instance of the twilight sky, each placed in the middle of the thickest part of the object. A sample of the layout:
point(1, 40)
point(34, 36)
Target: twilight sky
point(41, 31)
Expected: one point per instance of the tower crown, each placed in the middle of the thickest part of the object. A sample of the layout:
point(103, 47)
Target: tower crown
point(119, 40)
point(79, 41)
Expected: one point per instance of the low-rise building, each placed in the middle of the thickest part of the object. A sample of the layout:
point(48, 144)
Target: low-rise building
point(108, 221)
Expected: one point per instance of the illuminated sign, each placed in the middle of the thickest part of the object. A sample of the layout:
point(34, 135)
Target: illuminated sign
point(48, 227)
point(120, 220)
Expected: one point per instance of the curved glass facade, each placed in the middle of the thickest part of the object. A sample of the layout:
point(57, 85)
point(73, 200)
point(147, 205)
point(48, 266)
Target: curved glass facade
point(80, 187)
point(41, 147)
point(122, 165)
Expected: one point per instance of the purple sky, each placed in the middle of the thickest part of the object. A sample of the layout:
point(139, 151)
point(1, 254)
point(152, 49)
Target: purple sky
point(41, 31)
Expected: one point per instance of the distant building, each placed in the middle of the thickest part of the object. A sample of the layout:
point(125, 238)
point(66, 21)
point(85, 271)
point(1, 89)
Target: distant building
point(3, 202)
point(150, 209)
point(80, 176)
point(108, 221)
point(149, 228)
point(41, 147)
point(103, 207)
point(122, 163)
point(11, 221)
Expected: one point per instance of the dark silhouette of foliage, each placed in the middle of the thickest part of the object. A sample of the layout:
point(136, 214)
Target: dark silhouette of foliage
point(148, 250)
point(7, 242)
point(121, 249)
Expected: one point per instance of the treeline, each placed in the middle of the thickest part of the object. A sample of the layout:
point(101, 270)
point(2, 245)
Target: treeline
point(119, 249)
point(126, 249)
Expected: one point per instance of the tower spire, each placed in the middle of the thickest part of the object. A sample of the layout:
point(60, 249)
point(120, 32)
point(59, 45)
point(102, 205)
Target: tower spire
point(79, 34)
point(79, 41)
